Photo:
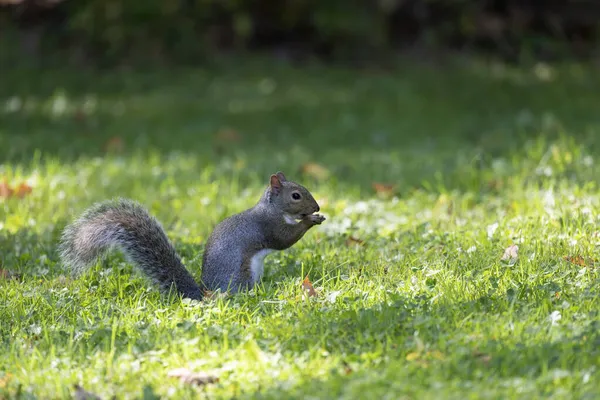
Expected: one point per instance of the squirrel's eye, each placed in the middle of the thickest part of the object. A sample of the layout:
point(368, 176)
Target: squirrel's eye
point(296, 196)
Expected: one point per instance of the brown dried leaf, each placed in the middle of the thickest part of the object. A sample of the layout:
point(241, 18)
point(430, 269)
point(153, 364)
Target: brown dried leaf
point(5, 190)
point(354, 241)
point(482, 357)
point(213, 295)
point(79, 115)
point(314, 170)
point(114, 145)
point(192, 378)
point(385, 190)
point(227, 135)
point(511, 253)
point(308, 287)
point(577, 260)
point(22, 190)
point(224, 138)
point(6, 274)
point(5, 379)
point(495, 184)
point(485, 358)
point(347, 369)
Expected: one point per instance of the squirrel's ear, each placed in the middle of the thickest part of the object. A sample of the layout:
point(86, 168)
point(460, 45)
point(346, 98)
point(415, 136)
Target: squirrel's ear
point(275, 184)
point(281, 176)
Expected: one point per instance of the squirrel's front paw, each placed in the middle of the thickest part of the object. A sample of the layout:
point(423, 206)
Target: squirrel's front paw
point(316, 219)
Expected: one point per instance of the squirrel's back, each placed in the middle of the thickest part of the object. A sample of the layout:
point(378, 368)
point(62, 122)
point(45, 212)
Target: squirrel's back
point(126, 225)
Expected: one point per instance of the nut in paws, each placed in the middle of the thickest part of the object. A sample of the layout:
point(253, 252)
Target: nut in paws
point(316, 218)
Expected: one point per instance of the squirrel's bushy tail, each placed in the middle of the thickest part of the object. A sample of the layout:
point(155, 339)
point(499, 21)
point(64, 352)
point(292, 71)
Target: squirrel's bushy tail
point(126, 225)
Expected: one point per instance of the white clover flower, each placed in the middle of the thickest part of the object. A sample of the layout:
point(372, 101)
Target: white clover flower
point(491, 229)
point(555, 317)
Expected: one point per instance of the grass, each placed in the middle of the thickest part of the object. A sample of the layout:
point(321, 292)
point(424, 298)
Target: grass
point(482, 156)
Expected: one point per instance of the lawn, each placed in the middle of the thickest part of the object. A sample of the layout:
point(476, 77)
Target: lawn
point(426, 174)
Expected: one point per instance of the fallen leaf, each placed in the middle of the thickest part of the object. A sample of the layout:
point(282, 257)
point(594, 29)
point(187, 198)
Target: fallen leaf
point(22, 190)
point(227, 135)
point(5, 190)
point(315, 170)
point(495, 184)
point(383, 189)
point(347, 368)
point(5, 379)
point(79, 115)
point(192, 378)
point(82, 394)
point(224, 138)
point(6, 274)
point(577, 260)
point(511, 254)
point(354, 241)
point(213, 295)
point(485, 358)
point(412, 356)
point(114, 145)
point(308, 287)
point(482, 357)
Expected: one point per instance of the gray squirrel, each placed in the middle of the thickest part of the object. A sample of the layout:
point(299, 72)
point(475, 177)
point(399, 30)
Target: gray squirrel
point(234, 254)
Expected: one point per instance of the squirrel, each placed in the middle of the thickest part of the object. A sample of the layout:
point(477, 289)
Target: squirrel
point(233, 258)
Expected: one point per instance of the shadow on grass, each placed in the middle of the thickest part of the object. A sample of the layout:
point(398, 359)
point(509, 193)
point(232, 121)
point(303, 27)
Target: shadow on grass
point(276, 108)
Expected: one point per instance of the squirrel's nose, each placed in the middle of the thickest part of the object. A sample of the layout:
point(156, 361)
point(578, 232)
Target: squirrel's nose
point(318, 208)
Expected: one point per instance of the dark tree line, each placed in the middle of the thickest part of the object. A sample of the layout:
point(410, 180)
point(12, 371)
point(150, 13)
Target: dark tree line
point(192, 29)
